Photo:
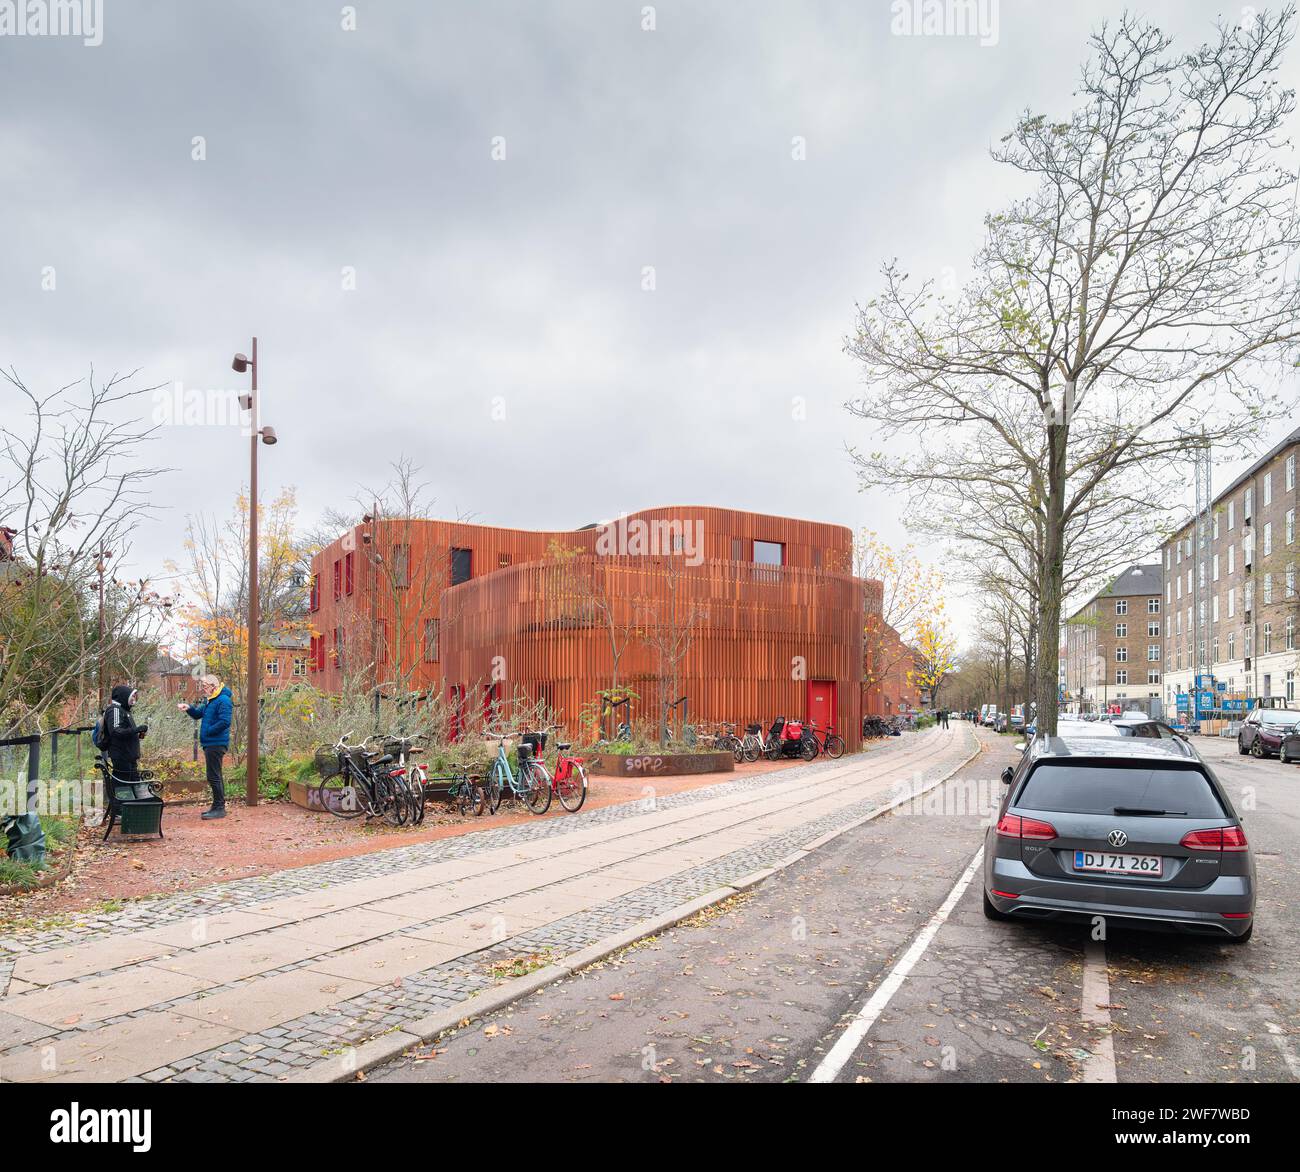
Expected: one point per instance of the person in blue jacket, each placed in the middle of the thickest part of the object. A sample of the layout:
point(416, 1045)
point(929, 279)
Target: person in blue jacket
point(214, 737)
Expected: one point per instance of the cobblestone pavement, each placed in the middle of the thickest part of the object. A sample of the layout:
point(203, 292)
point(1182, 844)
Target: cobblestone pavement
point(260, 978)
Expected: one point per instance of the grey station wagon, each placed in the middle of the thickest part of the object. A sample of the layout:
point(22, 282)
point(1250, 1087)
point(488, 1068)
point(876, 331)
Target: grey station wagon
point(1125, 828)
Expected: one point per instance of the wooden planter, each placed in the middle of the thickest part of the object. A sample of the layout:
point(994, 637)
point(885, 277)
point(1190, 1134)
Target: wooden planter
point(648, 765)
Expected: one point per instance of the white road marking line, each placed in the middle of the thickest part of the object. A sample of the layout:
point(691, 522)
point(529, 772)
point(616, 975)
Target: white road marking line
point(830, 1066)
point(1100, 1067)
point(1278, 1035)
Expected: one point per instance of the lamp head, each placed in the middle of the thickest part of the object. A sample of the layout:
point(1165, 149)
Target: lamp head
point(268, 435)
point(240, 364)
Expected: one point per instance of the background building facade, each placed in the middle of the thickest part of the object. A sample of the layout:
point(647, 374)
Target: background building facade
point(1232, 600)
point(747, 616)
point(1114, 644)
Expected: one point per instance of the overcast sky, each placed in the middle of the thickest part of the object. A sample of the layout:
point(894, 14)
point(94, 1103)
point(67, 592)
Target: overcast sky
point(499, 330)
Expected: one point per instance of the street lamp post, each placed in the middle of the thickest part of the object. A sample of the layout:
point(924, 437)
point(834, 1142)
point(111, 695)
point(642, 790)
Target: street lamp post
point(267, 435)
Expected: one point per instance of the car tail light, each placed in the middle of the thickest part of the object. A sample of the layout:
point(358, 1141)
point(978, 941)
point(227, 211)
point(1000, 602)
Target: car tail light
point(1229, 838)
point(1014, 826)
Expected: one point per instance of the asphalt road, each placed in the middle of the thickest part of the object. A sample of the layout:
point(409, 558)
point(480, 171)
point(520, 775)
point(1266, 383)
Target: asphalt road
point(761, 989)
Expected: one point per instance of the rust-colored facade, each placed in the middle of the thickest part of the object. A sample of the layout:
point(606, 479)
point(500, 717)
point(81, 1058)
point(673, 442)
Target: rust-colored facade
point(749, 616)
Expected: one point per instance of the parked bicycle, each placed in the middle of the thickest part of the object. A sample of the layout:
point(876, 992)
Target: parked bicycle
point(831, 744)
point(354, 784)
point(569, 781)
point(409, 777)
point(531, 785)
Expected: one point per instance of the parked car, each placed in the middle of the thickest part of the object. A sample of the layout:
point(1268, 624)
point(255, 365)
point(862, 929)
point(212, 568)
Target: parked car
point(1120, 827)
point(1289, 749)
point(1262, 731)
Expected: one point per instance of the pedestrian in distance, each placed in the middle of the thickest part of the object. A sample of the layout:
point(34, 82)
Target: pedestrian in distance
point(120, 736)
point(213, 714)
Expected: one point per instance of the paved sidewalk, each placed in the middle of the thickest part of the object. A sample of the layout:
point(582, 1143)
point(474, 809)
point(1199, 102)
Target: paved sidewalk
point(283, 974)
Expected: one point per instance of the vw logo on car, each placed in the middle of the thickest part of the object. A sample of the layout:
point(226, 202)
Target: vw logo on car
point(1117, 838)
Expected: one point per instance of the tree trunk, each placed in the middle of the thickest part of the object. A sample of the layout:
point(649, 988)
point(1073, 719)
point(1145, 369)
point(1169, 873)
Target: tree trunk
point(1046, 690)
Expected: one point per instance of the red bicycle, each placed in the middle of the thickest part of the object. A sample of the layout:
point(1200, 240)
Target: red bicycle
point(569, 782)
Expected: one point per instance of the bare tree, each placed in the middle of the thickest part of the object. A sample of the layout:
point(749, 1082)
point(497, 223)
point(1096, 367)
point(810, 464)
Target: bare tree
point(1115, 312)
point(76, 485)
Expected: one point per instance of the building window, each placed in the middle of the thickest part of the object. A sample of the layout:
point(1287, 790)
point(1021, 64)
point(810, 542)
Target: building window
point(737, 549)
point(1153, 628)
point(1121, 606)
point(1153, 606)
point(1290, 633)
point(1268, 589)
point(1215, 564)
point(769, 553)
point(338, 647)
point(1121, 654)
point(1268, 538)
point(430, 640)
point(1290, 526)
point(1214, 609)
point(273, 667)
point(381, 633)
point(338, 579)
point(462, 565)
point(1267, 639)
point(1121, 630)
point(1153, 653)
point(1121, 675)
point(503, 560)
point(348, 581)
point(1153, 676)
point(1232, 602)
point(1232, 644)
point(299, 665)
point(315, 593)
point(1247, 505)
point(1215, 534)
point(1290, 580)
point(1290, 685)
point(401, 566)
point(1290, 472)
point(1268, 489)
point(1232, 514)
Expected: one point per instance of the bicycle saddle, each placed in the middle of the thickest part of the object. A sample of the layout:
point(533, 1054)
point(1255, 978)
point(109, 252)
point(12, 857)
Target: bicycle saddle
point(384, 760)
point(563, 747)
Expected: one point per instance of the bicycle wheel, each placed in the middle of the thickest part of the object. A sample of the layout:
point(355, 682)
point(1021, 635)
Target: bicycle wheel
point(390, 799)
point(753, 750)
point(573, 789)
point(415, 784)
point(835, 747)
point(470, 798)
point(338, 800)
point(537, 788)
point(494, 787)
point(809, 748)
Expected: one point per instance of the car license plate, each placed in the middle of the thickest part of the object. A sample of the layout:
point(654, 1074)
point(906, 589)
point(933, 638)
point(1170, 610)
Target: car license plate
point(1118, 864)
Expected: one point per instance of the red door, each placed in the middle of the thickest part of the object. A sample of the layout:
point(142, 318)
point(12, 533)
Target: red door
point(821, 704)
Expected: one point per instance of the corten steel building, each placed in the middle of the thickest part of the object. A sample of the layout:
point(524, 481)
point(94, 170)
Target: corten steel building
point(748, 616)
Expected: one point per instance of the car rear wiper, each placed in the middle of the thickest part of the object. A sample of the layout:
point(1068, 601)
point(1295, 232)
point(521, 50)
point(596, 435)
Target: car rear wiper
point(1138, 812)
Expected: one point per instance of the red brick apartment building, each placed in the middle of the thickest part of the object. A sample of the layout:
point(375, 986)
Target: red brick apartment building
point(748, 616)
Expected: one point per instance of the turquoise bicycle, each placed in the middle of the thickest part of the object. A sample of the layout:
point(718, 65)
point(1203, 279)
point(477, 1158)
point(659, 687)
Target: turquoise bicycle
point(531, 785)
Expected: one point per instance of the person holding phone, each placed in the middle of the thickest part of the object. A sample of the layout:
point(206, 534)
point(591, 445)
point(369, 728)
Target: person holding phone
point(214, 714)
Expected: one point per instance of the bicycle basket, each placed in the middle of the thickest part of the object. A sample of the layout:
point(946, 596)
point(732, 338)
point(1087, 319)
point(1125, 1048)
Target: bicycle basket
point(537, 741)
point(327, 763)
point(753, 728)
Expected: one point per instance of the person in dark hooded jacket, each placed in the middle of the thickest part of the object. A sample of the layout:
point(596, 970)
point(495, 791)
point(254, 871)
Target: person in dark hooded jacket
point(121, 735)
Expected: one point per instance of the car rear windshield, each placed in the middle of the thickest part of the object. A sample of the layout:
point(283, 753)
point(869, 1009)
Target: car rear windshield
point(1102, 789)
